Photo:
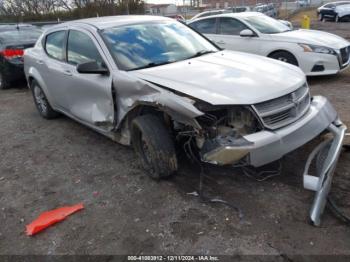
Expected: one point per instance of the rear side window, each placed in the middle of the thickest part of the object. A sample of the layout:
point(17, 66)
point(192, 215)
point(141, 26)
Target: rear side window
point(230, 26)
point(206, 26)
point(55, 44)
point(81, 49)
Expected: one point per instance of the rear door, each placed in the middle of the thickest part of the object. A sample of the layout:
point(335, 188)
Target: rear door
point(207, 26)
point(52, 66)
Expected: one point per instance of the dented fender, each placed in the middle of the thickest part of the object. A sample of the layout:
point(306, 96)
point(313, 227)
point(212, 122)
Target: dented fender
point(132, 92)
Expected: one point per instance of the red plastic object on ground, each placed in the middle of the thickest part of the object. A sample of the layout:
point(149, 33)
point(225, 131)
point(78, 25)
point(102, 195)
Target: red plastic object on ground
point(49, 218)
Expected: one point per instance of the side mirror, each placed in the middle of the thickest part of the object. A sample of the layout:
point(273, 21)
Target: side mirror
point(92, 67)
point(287, 23)
point(246, 33)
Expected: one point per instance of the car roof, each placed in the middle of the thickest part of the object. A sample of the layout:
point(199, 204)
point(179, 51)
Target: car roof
point(112, 21)
point(337, 3)
point(235, 15)
point(212, 11)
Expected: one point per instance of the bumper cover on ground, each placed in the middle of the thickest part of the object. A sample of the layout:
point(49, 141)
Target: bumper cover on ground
point(321, 183)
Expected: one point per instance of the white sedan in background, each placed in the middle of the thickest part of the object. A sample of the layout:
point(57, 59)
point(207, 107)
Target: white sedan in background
point(315, 52)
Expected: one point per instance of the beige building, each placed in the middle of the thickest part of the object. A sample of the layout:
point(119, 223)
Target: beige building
point(161, 9)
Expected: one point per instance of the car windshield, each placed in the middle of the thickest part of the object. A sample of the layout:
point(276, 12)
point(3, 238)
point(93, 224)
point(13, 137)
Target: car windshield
point(145, 45)
point(266, 25)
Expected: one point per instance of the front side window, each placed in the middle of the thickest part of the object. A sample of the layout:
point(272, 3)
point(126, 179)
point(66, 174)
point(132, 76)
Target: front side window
point(206, 26)
point(55, 44)
point(230, 26)
point(266, 25)
point(151, 44)
point(81, 49)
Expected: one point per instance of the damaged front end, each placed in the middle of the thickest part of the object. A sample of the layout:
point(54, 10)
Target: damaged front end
point(221, 141)
point(239, 135)
point(252, 135)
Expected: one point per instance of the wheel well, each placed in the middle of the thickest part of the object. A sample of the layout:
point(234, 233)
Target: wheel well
point(285, 51)
point(30, 81)
point(149, 109)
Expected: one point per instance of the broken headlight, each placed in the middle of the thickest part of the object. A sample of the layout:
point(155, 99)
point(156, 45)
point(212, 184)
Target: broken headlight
point(222, 139)
point(233, 121)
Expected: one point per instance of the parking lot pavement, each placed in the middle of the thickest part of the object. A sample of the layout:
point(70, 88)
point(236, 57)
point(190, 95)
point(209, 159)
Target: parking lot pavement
point(46, 164)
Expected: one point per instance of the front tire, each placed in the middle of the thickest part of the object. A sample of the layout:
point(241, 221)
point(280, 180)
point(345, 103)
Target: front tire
point(154, 146)
point(41, 102)
point(337, 19)
point(284, 57)
point(320, 17)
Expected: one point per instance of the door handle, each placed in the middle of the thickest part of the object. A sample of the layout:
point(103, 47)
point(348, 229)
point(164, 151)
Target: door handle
point(40, 62)
point(67, 73)
point(220, 42)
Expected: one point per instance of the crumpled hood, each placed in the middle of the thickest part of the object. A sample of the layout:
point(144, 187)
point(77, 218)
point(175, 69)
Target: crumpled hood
point(313, 37)
point(227, 77)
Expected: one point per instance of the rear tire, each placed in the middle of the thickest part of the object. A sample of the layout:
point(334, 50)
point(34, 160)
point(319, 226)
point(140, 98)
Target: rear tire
point(4, 83)
point(41, 102)
point(154, 145)
point(284, 57)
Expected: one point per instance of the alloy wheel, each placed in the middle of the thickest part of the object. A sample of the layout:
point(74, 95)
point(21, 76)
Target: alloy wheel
point(283, 59)
point(40, 99)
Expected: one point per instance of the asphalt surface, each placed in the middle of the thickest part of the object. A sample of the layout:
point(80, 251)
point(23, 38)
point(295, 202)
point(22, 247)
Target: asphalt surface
point(47, 164)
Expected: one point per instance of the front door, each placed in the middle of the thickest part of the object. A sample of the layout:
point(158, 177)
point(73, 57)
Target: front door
point(228, 36)
point(89, 95)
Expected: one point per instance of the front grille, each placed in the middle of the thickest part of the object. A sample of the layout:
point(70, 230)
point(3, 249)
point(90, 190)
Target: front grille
point(345, 54)
point(284, 110)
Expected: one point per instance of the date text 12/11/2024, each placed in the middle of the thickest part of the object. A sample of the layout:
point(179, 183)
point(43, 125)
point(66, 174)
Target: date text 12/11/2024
point(173, 258)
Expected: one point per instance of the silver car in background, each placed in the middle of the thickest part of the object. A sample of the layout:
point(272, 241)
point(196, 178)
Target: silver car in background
point(154, 83)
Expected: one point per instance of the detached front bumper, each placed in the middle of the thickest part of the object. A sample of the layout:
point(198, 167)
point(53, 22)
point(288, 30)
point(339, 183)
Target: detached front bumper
point(327, 154)
point(266, 146)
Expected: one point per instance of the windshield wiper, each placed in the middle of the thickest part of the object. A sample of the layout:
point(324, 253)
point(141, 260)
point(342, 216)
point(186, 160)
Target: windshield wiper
point(202, 52)
point(152, 64)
